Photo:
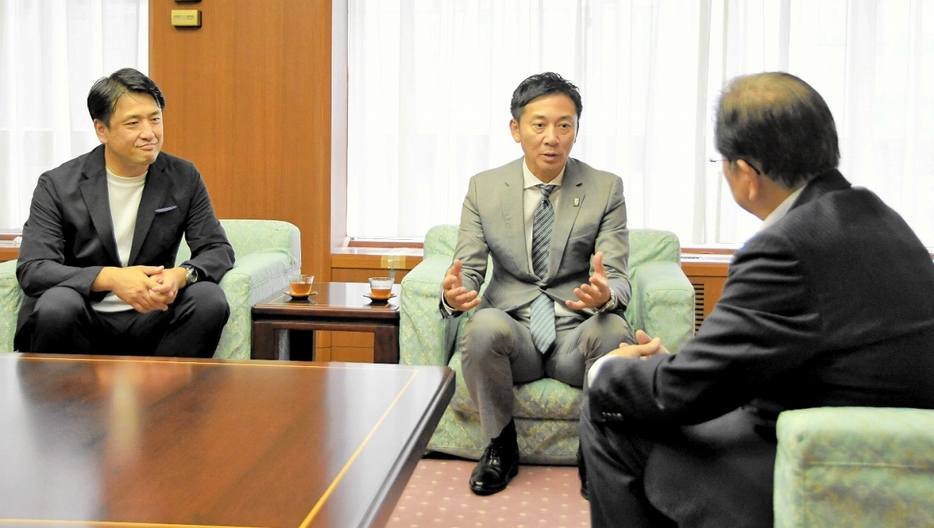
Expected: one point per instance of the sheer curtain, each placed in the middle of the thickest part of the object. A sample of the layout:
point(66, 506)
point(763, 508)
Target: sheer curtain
point(430, 83)
point(51, 52)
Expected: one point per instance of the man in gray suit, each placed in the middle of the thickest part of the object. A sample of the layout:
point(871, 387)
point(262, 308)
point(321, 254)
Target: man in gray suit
point(97, 262)
point(556, 231)
point(830, 304)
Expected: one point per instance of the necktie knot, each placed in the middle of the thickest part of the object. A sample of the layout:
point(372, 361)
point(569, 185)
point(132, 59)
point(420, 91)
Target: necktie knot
point(546, 190)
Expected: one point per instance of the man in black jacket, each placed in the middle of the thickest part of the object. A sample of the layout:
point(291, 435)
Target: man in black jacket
point(97, 261)
point(830, 304)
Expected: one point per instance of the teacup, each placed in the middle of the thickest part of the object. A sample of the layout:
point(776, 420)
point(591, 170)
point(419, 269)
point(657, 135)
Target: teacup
point(380, 288)
point(301, 286)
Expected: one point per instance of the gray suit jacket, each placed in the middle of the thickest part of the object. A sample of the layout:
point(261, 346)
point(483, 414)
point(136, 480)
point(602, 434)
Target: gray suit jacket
point(590, 217)
point(69, 236)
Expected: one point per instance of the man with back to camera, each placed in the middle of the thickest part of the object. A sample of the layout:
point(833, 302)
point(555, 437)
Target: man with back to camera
point(99, 246)
point(830, 304)
point(541, 218)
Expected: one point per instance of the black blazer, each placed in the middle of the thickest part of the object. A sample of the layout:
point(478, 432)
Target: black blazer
point(69, 236)
point(833, 305)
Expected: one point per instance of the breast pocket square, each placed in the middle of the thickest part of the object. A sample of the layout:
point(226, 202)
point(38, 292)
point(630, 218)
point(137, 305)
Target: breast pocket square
point(166, 209)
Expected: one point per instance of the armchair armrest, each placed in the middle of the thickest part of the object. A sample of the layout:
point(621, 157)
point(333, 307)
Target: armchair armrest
point(854, 466)
point(662, 303)
point(11, 298)
point(423, 332)
point(254, 278)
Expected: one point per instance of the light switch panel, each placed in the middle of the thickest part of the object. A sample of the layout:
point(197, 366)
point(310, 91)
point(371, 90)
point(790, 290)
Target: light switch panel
point(186, 17)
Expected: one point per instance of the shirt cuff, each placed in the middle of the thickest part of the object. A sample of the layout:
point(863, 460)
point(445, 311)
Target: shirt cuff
point(595, 368)
point(446, 307)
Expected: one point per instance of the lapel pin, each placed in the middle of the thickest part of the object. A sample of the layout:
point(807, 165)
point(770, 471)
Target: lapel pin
point(577, 202)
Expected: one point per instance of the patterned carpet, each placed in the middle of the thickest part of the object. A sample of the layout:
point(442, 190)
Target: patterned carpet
point(437, 495)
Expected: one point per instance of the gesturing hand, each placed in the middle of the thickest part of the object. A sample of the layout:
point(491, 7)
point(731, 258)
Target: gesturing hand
point(455, 294)
point(597, 292)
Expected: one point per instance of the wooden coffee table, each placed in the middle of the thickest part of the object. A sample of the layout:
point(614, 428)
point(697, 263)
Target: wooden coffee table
point(339, 306)
point(132, 442)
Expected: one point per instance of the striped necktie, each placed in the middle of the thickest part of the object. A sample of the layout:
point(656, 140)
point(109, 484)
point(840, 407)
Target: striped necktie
point(542, 317)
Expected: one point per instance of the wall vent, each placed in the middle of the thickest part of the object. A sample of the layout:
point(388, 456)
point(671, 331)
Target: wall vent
point(699, 295)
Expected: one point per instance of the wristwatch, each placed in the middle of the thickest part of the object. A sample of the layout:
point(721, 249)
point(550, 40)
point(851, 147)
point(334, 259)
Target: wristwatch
point(609, 304)
point(191, 274)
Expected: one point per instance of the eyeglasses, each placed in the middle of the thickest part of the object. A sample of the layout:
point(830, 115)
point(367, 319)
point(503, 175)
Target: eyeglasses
point(721, 160)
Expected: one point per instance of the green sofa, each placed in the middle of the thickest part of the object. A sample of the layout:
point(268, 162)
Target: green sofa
point(856, 467)
point(546, 410)
point(268, 253)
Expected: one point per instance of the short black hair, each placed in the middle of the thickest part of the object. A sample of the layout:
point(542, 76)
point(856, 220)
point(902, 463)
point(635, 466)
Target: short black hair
point(102, 99)
point(779, 124)
point(540, 84)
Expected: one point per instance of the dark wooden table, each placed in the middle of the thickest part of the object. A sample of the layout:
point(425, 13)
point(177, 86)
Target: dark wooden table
point(106, 441)
point(339, 306)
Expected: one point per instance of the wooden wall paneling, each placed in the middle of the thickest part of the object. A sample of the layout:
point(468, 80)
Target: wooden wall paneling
point(363, 274)
point(249, 102)
point(708, 279)
point(357, 264)
point(8, 249)
point(307, 134)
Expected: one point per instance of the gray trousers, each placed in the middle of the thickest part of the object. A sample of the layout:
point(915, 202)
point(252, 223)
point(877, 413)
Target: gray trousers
point(497, 352)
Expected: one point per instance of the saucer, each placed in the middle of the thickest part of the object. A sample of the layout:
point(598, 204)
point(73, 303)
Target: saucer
point(370, 297)
point(299, 297)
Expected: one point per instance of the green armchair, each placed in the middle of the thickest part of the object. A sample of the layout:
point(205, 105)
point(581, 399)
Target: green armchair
point(546, 410)
point(268, 253)
point(855, 467)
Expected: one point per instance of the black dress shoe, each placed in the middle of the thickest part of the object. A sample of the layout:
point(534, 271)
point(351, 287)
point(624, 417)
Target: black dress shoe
point(497, 466)
point(582, 473)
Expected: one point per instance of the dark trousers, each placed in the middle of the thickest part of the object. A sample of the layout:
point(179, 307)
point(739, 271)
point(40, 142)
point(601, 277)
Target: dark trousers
point(718, 473)
point(63, 322)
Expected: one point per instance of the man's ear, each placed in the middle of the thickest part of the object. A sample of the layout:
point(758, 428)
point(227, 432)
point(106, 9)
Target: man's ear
point(514, 128)
point(752, 185)
point(101, 130)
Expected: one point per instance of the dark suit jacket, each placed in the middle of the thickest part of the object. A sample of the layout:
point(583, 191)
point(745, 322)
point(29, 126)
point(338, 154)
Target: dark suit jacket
point(69, 236)
point(831, 306)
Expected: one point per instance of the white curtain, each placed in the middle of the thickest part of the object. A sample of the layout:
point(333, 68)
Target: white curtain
point(430, 83)
point(51, 52)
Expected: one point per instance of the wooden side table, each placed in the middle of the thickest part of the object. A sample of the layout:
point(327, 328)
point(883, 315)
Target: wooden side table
point(339, 306)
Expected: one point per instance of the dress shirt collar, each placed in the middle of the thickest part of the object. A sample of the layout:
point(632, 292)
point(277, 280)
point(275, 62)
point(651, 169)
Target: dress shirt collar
point(530, 180)
point(782, 209)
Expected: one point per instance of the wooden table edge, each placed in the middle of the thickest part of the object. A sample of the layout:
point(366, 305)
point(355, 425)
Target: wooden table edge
point(396, 480)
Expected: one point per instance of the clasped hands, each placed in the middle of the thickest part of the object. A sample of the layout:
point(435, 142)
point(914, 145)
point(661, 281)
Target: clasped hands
point(594, 294)
point(145, 288)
